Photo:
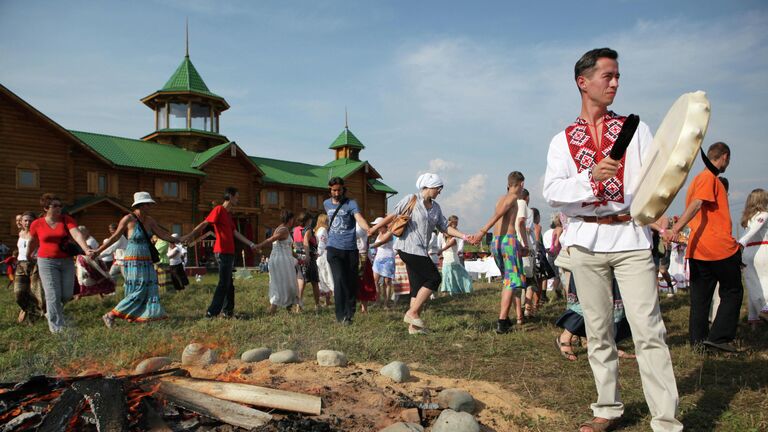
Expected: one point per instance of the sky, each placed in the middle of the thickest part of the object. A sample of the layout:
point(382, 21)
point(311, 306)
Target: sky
point(469, 90)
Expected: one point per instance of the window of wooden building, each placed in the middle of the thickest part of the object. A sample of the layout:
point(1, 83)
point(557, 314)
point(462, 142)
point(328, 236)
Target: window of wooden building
point(27, 176)
point(272, 198)
point(171, 189)
point(101, 183)
point(176, 229)
point(310, 201)
point(178, 116)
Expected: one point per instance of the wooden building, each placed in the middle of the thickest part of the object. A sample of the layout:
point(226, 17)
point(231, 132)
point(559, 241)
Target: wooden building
point(185, 163)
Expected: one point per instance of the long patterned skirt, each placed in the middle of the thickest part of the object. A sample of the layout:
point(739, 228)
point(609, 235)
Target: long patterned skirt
point(141, 301)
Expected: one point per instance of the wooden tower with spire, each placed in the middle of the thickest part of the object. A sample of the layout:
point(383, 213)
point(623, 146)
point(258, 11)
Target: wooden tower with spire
point(346, 145)
point(186, 111)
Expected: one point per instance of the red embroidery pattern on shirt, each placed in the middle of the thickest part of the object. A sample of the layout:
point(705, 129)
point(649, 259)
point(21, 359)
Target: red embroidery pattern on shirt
point(585, 155)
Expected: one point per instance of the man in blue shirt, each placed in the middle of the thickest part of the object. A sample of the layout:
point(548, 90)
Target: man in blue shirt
point(342, 253)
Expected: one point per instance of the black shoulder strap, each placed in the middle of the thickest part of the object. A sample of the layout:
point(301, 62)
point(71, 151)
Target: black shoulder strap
point(146, 234)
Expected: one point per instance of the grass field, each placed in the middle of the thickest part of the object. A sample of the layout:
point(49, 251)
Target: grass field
point(718, 392)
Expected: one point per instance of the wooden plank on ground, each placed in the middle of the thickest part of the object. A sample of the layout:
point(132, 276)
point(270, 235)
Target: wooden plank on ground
point(209, 406)
point(252, 395)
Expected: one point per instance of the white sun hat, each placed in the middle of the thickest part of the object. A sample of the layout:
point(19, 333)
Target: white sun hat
point(142, 198)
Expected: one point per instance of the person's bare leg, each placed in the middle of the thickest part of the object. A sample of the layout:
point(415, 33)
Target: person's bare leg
point(518, 308)
point(300, 294)
point(316, 294)
point(506, 303)
point(418, 302)
point(388, 292)
point(377, 279)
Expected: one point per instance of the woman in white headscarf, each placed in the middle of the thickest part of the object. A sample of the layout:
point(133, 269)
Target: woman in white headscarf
point(412, 245)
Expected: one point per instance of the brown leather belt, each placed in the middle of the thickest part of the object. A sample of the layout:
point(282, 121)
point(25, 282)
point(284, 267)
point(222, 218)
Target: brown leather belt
point(607, 219)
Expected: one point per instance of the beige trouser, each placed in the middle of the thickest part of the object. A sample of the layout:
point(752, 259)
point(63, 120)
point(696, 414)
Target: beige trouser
point(636, 276)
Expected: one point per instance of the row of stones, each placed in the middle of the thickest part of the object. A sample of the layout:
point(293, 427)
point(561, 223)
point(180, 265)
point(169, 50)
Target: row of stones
point(459, 403)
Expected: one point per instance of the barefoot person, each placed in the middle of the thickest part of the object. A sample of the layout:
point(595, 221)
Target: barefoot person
point(412, 245)
point(506, 250)
point(283, 284)
point(141, 302)
point(224, 226)
point(604, 241)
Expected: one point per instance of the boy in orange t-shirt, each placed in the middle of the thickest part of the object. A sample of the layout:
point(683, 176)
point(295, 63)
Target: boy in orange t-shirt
point(714, 255)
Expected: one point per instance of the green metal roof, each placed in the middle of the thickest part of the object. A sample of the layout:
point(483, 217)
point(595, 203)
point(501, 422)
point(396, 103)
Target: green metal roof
point(380, 187)
point(135, 153)
point(293, 173)
point(132, 153)
point(186, 78)
point(300, 174)
point(347, 139)
point(203, 157)
point(344, 167)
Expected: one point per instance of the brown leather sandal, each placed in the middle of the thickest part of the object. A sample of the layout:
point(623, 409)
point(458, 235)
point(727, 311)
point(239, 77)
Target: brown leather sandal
point(570, 356)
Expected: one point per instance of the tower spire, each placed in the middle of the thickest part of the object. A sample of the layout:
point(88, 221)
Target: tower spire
point(346, 118)
point(187, 39)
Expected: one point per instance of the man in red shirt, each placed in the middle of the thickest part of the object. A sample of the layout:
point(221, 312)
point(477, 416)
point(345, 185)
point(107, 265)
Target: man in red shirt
point(714, 255)
point(224, 249)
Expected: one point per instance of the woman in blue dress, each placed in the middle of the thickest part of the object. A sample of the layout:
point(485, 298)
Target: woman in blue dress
point(141, 301)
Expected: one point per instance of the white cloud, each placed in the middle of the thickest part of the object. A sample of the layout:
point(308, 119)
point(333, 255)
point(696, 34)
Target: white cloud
point(463, 202)
point(440, 166)
point(495, 107)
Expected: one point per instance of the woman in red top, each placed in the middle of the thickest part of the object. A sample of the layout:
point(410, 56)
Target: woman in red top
point(56, 268)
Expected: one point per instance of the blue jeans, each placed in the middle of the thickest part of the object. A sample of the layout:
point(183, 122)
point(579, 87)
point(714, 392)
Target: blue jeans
point(224, 296)
point(58, 278)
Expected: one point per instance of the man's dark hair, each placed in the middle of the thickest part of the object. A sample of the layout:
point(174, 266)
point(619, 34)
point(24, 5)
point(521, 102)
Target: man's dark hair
point(336, 181)
point(285, 216)
point(30, 214)
point(525, 193)
point(718, 149)
point(515, 178)
point(586, 64)
point(229, 193)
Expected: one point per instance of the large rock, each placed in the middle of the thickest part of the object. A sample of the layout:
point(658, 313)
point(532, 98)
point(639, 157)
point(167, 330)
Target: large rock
point(152, 364)
point(396, 370)
point(331, 358)
point(286, 356)
point(410, 415)
point(457, 400)
point(197, 354)
point(403, 427)
point(256, 355)
point(452, 421)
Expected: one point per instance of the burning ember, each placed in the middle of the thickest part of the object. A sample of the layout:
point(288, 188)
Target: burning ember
point(167, 400)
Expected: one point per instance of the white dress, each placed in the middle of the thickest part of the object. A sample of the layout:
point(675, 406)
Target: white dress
point(456, 280)
point(283, 285)
point(755, 257)
point(323, 268)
